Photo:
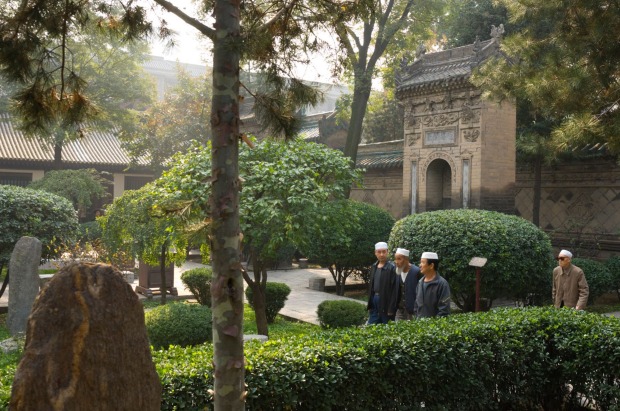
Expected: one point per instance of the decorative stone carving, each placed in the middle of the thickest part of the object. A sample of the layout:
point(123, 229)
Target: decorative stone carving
point(412, 138)
point(497, 32)
point(471, 135)
point(440, 120)
point(447, 101)
point(469, 116)
point(421, 50)
point(434, 156)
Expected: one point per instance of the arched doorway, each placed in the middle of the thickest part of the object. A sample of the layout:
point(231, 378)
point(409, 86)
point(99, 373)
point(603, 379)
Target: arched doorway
point(438, 186)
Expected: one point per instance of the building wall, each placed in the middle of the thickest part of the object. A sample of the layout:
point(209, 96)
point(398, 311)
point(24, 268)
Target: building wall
point(383, 188)
point(580, 205)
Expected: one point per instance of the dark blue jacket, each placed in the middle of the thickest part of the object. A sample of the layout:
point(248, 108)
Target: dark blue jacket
point(409, 288)
point(389, 289)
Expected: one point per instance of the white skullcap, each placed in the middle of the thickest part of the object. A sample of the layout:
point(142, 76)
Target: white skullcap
point(402, 251)
point(565, 253)
point(381, 246)
point(429, 256)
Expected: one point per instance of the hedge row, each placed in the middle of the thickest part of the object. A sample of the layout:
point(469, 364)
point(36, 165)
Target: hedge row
point(504, 359)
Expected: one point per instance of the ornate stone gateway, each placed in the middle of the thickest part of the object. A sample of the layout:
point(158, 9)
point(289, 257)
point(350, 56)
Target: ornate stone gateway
point(459, 150)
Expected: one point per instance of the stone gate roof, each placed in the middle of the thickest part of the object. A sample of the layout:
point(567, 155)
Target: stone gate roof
point(444, 68)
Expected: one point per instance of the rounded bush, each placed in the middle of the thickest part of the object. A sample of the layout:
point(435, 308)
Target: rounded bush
point(90, 232)
point(178, 324)
point(348, 247)
point(198, 281)
point(341, 313)
point(518, 253)
point(25, 212)
point(597, 274)
point(276, 295)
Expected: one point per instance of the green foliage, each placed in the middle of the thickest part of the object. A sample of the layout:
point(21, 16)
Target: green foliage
point(613, 265)
point(341, 313)
point(281, 328)
point(46, 216)
point(170, 126)
point(90, 232)
point(564, 61)
point(178, 324)
point(518, 253)
point(198, 281)
point(502, 359)
point(598, 276)
point(345, 237)
point(135, 225)
point(276, 295)
point(81, 187)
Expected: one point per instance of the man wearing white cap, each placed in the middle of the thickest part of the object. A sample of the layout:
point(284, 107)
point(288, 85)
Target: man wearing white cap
point(570, 288)
point(384, 288)
point(433, 291)
point(409, 275)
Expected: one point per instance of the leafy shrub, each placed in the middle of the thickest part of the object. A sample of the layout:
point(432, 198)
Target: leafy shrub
point(178, 324)
point(519, 253)
point(613, 265)
point(90, 232)
point(198, 281)
point(597, 274)
point(276, 295)
point(46, 216)
point(341, 313)
point(498, 360)
point(81, 187)
point(344, 240)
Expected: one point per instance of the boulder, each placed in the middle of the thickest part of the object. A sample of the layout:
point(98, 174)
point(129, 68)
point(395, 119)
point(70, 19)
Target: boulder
point(86, 346)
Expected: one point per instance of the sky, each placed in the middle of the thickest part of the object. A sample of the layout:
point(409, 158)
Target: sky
point(191, 47)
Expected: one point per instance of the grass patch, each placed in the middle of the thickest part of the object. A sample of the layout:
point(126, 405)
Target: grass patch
point(48, 271)
point(4, 331)
point(281, 328)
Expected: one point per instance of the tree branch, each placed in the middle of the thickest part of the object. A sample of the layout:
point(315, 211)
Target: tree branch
point(198, 25)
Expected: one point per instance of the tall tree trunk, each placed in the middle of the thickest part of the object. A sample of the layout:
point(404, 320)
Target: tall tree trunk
point(162, 273)
point(227, 285)
point(259, 297)
point(58, 156)
point(361, 93)
point(537, 191)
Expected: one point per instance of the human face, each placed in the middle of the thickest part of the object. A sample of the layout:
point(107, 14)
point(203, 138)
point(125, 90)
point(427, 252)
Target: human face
point(400, 261)
point(381, 255)
point(425, 268)
point(564, 261)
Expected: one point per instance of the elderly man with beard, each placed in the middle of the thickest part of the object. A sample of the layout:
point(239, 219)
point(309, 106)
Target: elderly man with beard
point(384, 288)
point(408, 274)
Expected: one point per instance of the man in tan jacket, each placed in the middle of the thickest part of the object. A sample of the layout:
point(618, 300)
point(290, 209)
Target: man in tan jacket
point(570, 288)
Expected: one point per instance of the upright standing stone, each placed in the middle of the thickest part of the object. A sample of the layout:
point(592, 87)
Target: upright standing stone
point(24, 279)
point(86, 347)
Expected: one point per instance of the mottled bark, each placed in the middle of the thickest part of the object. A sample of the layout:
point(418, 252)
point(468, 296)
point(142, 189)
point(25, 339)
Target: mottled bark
point(162, 272)
point(58, 156)
point(227, 286)
point(361, 93)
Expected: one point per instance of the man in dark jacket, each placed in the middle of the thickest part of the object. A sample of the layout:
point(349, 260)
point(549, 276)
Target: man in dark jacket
point(408, 274)
point(384, 288)
point(433, 291)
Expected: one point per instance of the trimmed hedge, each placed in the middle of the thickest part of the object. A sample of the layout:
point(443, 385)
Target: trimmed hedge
point(519, 253)
point(178, 324)
point(198, 281)
point(276, 295)
point(503, 359)
point(597, 275)
point(341, 313)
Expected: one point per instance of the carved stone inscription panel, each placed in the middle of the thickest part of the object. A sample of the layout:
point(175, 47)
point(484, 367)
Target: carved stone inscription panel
point(440, 137)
